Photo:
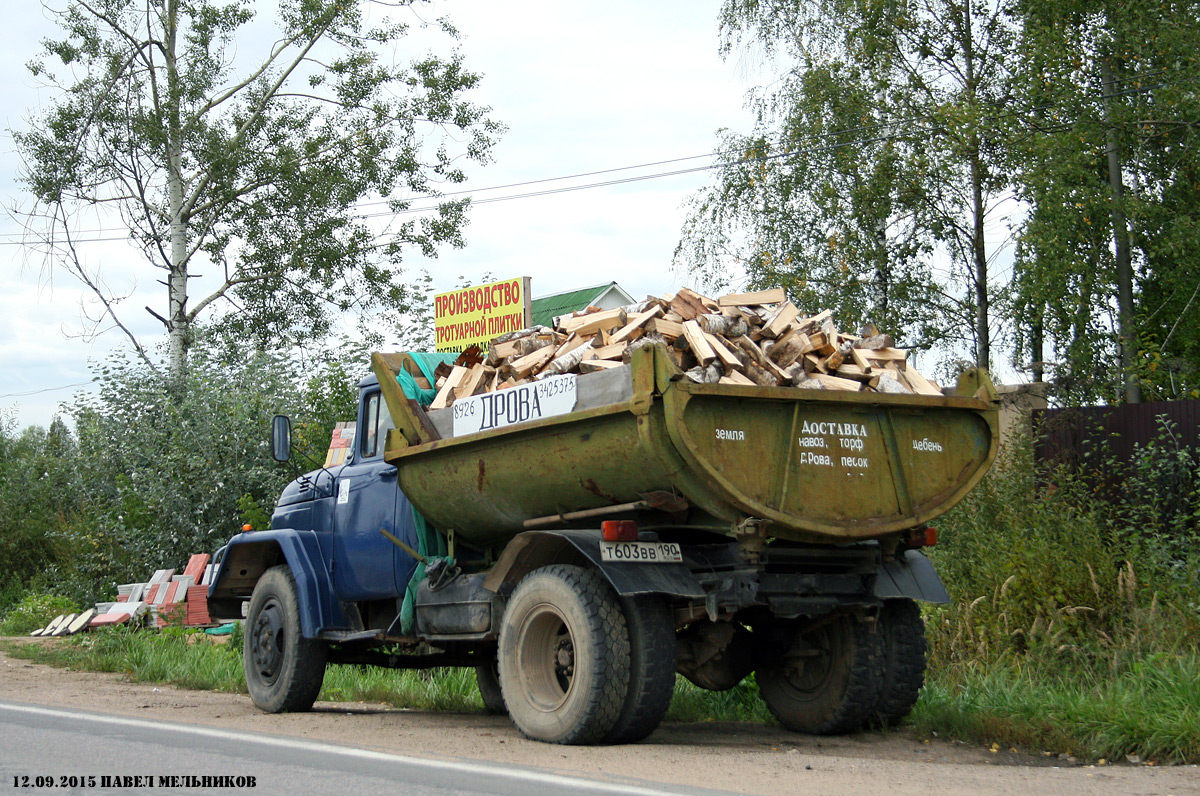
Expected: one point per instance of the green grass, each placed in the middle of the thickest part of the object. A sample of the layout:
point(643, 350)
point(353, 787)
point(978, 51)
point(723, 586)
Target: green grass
point(144, 656)
point(422, 689)
point(1151, 710)
point(188, 659)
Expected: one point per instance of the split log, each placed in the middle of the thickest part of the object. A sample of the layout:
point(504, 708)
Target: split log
point(834, 383)
point(724, 325)
point(565, 362)
point(888, 382)
point(635, 326)
point(775, 295)
point(446, 394)
point(474, 382)
point(860, 359)
point(688, 304)
point(780, 320)
point(667, 328)
point(920, 384)
point(614, 351)
point(886, 354)
point(727, 357)
point(751, 368)
point(700, 348)
point(839, 355)
point(848, 370)
point(747, 346)
point(814, 364)
point(593, 365)
point(527, 365)
point(736, 377)
point(876, 341)
point(791, 347)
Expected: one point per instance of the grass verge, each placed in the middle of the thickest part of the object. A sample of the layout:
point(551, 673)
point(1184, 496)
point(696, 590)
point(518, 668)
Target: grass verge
point(1150, 710)
point(189, 659)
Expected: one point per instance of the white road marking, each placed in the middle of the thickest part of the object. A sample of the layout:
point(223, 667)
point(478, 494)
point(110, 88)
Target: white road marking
point(473, 768)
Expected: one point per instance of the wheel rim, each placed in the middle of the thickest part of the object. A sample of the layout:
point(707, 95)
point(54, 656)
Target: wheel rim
point(267, 641)
point(546, 655)
point(808, 664)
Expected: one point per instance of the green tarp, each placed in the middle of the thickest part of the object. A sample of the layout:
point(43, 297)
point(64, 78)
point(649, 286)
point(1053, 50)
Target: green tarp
point(428, 364)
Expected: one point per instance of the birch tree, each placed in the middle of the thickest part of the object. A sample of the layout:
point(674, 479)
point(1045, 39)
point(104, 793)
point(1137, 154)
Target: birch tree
point(875, 156)
point(247, 164)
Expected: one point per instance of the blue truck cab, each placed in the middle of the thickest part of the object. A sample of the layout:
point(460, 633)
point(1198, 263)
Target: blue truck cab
point(327, 530)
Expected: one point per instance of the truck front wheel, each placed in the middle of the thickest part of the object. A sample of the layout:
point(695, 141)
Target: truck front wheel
point(564, 656)
point(284, 670)
point(828, 678)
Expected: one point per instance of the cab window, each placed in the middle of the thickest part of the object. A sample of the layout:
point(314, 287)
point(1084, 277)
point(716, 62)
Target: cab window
point(370, 433)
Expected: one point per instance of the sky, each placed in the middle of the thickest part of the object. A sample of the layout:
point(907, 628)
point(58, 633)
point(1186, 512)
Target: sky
point(582, 88)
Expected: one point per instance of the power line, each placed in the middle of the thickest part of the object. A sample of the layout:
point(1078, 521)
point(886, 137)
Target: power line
point(46, 389)
point(883, 125)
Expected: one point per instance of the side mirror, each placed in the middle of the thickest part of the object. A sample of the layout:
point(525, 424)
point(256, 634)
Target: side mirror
point(281, 438)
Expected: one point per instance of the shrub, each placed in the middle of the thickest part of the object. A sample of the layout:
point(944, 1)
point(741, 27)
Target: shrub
point(33, 612)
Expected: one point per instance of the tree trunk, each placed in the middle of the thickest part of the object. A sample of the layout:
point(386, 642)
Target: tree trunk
point(983, 340)
point(1037, 344)
point(177, 322)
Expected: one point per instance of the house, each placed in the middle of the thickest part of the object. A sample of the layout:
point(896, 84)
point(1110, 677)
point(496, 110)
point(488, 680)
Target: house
point(607, 296)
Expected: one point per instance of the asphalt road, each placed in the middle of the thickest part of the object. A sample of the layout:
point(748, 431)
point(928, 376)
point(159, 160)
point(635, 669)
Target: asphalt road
point(67, 751)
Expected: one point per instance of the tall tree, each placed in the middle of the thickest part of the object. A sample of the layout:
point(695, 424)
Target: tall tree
point(1111, 174)
point(874, 160)
point(248, 163)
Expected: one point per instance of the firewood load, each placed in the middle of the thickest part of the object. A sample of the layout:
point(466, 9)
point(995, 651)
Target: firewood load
point(749, 339)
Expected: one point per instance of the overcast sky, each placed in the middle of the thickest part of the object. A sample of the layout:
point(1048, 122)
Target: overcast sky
point(582, 88)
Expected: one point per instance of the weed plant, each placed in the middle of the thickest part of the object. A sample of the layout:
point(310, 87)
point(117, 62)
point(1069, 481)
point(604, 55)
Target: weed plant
point(1073, 625)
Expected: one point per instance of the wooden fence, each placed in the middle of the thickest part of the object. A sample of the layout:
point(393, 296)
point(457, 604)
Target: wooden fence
point(1072, 436)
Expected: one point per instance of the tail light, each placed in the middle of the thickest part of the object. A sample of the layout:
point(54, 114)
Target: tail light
point(619, 530)
point(921, 537)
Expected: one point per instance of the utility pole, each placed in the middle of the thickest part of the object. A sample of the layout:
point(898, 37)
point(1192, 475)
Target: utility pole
point(1125, 322)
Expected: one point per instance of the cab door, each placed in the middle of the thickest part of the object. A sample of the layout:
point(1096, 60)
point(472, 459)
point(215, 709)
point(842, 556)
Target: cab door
point(366, 564)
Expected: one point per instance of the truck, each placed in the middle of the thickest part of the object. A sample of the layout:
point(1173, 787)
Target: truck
point(581, 539)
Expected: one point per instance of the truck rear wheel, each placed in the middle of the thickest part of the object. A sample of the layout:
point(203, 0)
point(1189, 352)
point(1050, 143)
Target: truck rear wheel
point(564, 656)
point(284, 670)
point(827, 680)
point(904, 648)
point(652, 664)
point(487, 677)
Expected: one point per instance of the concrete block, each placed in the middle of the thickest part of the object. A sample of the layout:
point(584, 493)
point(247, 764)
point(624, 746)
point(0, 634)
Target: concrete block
point(79, 622)
point(60, 629)
point(109, 619)
point(162, 576)
point(49, 629)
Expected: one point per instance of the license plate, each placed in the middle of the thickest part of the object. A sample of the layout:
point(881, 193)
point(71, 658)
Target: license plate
point(641, 552)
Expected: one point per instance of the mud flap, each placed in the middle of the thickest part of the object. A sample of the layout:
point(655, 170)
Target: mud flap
point(533, 549)
point(913, 577)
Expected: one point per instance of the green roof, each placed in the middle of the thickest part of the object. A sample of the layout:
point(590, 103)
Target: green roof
point(547, 308)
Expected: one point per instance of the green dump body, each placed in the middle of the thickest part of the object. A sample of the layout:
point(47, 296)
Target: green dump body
point(811, 465)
